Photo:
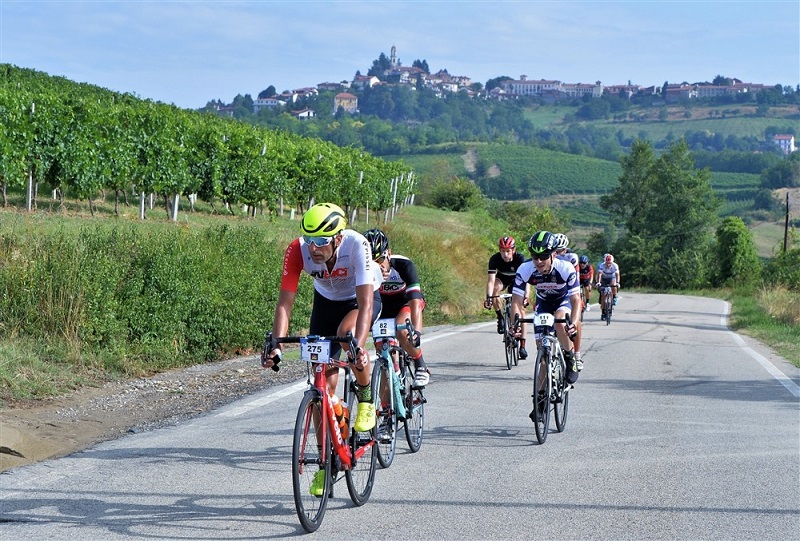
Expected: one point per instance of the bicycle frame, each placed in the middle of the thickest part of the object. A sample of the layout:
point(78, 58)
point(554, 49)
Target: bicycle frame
point(550, 387)
point(318, 441)
point(607, 301)
point(384, 334)
point(315, 350)
point(510, 342)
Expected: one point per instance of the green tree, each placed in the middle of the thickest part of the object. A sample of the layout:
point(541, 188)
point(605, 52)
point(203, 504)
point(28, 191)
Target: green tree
point(736, 255)
point(666, 205)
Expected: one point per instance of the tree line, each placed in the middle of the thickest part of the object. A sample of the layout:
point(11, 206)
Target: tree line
point(82, 139)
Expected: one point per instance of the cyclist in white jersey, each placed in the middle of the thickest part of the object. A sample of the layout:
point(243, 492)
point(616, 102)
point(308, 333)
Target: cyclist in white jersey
point(608, 272)
point(346, 297)
point(557, 292)
point(563, 253)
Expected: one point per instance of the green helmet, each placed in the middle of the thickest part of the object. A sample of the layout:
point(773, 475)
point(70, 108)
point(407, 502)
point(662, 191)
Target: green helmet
point(542, 242)
point(323, 220)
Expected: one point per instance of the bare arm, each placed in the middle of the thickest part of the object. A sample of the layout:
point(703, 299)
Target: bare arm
point(364, 299)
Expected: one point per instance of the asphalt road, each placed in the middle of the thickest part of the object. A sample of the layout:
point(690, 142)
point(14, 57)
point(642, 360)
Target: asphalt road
point(677, 428)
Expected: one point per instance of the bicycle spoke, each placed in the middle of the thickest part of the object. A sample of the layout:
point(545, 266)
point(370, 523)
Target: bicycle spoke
point(361, 475)
point(385, 411)
point(541, 395)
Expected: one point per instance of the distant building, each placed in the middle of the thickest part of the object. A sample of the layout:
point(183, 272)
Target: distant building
point(347, 101)
point(322, 87)
point(360, 82)
point(267, 103)
point(550, 90)
point(303, 114)
point(785, 142)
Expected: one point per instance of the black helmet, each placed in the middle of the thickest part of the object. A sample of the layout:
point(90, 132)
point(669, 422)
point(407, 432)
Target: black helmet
point(542, 243)
point(378, 241)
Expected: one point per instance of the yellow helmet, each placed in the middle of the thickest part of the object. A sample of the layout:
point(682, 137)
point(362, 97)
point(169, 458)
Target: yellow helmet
point(323, 220)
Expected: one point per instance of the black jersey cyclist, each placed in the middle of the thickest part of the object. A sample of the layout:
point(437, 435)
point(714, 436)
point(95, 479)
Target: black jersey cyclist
point(401, 298)
point(557, 291)
point(503, 267)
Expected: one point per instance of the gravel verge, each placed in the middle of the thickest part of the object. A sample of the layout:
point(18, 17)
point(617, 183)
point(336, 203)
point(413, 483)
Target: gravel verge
point(32, 431)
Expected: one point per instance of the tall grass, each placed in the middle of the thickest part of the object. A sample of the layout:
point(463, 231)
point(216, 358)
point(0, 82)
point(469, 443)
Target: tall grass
point(85, 300)
point(771, 315)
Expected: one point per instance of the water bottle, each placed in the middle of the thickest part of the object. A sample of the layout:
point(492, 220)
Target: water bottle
point(342, 415)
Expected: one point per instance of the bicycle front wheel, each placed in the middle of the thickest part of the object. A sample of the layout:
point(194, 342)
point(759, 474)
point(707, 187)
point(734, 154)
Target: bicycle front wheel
point(311, 453)
point(541, 395)
point(364, 458)
point(415, 409)
point(515, 351)
point(609, 308)
point(508, 341)
point(385, 412)
point(561, 406)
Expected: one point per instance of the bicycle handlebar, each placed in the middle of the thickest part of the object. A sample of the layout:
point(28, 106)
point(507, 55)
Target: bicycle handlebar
point(271, 342)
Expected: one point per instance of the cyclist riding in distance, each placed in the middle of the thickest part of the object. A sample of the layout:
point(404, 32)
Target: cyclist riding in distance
point(557, 291)
point(586, 277)
point(563, 253)
point(346, 295)
point(503, 267)
point(401, 298)
point(608, 272)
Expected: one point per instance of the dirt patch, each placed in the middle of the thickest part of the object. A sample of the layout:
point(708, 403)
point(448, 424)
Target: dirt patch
point(31, 431)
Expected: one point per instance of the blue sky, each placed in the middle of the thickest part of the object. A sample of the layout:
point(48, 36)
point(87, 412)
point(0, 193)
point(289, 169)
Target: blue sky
point(188, 52)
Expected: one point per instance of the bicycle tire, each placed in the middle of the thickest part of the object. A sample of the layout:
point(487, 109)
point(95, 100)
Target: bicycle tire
point(415, 408)
point(509, 346)
point(307, 459)
point(560, 409)
point(584, 303)
point(541, 395)
point(515, 352)
point(609, 307)
point(361, 475)
point(385, 412)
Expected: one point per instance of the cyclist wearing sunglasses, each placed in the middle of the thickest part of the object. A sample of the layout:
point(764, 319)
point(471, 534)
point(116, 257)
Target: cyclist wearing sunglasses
point(346, 294)
point(557, 291)
point(401, 298)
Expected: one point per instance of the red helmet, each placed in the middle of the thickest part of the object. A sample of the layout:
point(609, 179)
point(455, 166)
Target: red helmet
point(507, 243)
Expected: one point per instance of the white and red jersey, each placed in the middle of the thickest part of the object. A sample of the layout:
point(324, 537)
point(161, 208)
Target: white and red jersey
point(354, 267)
point(608, 270)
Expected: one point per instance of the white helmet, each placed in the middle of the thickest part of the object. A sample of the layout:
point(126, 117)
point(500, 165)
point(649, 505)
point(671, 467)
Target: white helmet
point(561, 241)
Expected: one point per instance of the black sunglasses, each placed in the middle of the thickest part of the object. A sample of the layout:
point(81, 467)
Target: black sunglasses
point(541, 257)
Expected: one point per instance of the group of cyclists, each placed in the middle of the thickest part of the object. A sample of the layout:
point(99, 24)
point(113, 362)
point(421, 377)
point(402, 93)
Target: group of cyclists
point(559, 277)
point(358, 279)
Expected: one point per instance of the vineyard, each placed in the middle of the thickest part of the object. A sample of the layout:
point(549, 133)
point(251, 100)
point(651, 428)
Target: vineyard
point(77, 140)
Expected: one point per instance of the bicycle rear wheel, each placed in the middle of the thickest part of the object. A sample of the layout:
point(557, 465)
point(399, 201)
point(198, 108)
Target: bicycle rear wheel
point(508, 342)
point(364, 451)
point(541, 395)
point(308, 458)
point(385, 412)
point(415, 408)
point(561, 406)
